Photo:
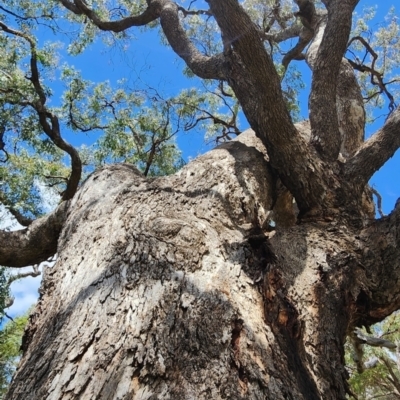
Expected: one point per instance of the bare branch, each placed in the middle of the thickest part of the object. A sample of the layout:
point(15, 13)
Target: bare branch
point(375, 341)
point(22, 275)
point(376, 76)
point(296, 52)
point(187, 12)
point(34, 244)
point(375, 151)
point(282, 35)
point(79, 7)
point(378, 201)
point(394, 379)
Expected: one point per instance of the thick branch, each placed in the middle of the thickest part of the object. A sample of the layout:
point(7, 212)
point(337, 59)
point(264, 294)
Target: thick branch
point(375, 151)
point(349, 101)
point(168, 12)
point(381, 263)
point(34, 244)
point(322, 102)
point(253, 77)
point(201, 65)
point(22, 275)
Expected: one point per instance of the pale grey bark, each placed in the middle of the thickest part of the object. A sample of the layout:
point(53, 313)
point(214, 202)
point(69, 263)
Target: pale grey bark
point(170, 288)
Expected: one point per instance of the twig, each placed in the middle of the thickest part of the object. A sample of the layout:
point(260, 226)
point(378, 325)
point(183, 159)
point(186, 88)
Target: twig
point(378, 201)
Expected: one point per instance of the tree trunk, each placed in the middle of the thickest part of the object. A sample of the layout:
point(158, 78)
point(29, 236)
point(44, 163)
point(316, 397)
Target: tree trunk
point(175, 288)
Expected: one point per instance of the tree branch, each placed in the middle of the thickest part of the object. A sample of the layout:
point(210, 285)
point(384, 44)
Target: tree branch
point(253, 77)
point(308, 18)
point(375, 341)
point(395, 380)
point(168, 11)
point(381, 268)
point(51, 129)
point(79, 7)
point(375, 151)
point(322, 102)
point(34, 244)
point(282, 35)
point(376, 76)
point(201, 65)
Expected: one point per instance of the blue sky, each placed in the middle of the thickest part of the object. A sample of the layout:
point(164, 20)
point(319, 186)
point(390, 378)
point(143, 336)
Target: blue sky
point(160, 67)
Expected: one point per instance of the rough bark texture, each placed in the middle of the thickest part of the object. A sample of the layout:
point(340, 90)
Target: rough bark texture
point(169, 288)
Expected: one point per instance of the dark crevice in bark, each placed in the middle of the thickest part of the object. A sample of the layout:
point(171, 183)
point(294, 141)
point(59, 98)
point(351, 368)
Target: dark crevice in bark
point(237, 326)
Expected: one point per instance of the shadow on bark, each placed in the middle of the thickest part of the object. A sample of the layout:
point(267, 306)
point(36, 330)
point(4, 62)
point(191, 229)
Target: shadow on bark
point(168, 288)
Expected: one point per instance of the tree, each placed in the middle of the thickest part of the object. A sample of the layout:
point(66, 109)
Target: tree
point(10, 342)
point(211, 282)
point(378, 376)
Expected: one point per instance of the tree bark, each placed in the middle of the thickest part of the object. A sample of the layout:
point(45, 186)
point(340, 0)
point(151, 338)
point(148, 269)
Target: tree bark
point(174, 288)
point(183, 287)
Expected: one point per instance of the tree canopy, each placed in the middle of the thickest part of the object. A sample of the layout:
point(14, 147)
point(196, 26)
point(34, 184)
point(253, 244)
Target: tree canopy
point(138, 124)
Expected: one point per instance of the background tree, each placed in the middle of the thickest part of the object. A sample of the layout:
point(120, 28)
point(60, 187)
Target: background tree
point(10, 343)
point(208, 283)
point(373, 361)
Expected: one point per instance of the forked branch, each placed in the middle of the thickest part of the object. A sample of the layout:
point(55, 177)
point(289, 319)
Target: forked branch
point(376, 76)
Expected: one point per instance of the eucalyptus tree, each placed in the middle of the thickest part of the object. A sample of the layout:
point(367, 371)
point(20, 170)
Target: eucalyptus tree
point(240, 275)
point(10, 342)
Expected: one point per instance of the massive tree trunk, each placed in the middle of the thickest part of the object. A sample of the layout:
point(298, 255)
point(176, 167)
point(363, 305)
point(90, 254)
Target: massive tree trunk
point(177, 288)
